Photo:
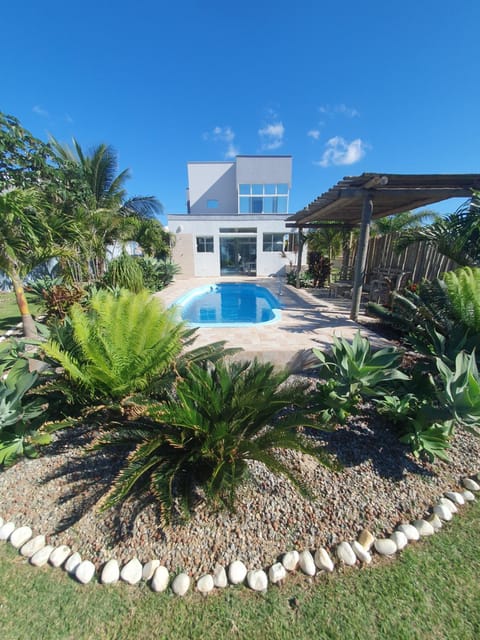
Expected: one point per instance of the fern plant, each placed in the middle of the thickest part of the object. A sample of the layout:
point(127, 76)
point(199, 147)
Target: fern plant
point(199, 442)
point(117, 345)
point(463, 287)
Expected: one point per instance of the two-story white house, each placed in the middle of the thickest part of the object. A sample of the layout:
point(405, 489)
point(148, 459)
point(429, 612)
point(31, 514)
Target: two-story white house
point(235, 220)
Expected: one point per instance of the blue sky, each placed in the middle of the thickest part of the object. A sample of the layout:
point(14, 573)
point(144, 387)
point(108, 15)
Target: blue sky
point(343, 87)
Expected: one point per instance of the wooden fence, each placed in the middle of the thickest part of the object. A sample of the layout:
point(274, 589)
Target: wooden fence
point(418, 261)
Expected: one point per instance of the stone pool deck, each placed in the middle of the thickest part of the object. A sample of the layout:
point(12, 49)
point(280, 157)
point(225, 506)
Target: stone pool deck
point(308, 320)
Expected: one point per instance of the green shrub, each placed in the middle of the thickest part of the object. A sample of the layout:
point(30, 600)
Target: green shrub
point(117, 345)
point(463, 287)
point(124, 272)
point(319, 268)
point(157, 274)
point(198, 442)
point(427, 416)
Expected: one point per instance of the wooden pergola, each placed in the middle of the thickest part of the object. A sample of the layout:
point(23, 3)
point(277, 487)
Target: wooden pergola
point(357, 200)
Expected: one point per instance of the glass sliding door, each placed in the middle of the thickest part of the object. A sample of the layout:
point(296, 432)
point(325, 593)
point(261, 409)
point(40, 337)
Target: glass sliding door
point(238, 255)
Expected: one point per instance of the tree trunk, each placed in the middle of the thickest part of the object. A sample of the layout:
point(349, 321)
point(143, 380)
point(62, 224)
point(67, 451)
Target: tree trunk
point(29, 328)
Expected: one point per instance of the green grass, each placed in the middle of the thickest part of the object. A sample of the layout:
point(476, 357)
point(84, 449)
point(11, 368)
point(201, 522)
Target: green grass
point(431, 591)
point(9, 313)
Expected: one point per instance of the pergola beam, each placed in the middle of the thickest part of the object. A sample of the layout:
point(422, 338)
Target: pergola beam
point(361, 260)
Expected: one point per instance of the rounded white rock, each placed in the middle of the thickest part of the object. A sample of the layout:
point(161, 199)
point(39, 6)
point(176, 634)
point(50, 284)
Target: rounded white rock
point(400, 539)
point(443, 512)
point(149, 569)
point(410, 531)
point(131, 572)
point(32, 546)
point(423, 527)
point(205, 584)
point(277, 573)
point(237, 572)
point(455, 497)
point(385, 546)
point(20, 536)
point(181, 584)
point(220, 577)
point(307, 563)
point(72, 563)
point(40, 558)
point(470, 484)
point(468, 495)
point(451, 505)
point(160, 579)
point(362, 554)
point(84, 571)
point(323, 560)
point(290, 560)
point(6, 530)
point(1, 522)
point(257, 580)
point(110, 572)
point(59, 555)
point(346, 554)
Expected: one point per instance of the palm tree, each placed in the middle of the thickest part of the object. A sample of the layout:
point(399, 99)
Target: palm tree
point(402, 221)
point(106, 214)
point(456, 236)
point(30, 234)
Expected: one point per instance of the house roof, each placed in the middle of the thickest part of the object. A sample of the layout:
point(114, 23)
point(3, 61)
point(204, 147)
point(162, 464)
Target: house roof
point(391, 193)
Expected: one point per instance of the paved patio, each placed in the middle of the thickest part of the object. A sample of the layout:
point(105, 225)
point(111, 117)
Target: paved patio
point(308, 320)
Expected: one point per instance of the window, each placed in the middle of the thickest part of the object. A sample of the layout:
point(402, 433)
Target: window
point(263, 198)
point(212, 204)
point(273, 242)
point(204, 244)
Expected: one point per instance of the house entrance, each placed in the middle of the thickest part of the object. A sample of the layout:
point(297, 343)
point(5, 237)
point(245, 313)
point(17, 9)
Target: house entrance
point(238, 256)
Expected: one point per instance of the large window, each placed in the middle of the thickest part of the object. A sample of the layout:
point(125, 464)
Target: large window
point(273, 242)
point(263, 198)
point(204, 244)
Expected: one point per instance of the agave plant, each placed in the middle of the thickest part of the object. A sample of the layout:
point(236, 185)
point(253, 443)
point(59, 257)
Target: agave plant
point(20, 420)
point(353, 370)
point(118, 345)
point(200, 441)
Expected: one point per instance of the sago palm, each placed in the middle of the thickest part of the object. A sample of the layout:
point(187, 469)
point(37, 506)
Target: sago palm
point(119, 344)
point(199, 441)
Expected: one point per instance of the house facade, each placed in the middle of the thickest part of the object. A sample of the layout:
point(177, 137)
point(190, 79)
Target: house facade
point(235, 220)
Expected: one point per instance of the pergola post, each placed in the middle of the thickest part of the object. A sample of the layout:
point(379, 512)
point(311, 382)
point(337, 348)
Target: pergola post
point(301, 242)
point(361, 255)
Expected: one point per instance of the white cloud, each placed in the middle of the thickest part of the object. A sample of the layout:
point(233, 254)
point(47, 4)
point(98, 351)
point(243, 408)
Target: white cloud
point(272, 135)
point(314, 133)
point(40, 111)
point(224, 135)
point(340, 152)
point(341, 109)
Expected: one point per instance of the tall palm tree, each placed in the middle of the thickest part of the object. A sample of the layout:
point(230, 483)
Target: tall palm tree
point(107, 215)
point(30, 234)
point(456, 236)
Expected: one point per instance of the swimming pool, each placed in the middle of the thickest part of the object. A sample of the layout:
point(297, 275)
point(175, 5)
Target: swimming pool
point(229, 304)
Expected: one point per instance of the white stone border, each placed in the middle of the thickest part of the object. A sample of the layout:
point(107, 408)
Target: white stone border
point(39, 553)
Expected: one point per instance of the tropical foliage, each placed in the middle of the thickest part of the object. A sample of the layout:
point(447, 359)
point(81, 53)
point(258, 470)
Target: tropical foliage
point(197, 444)
point(124, 272)
point(351, 371)
point(118, 344)
point(456, 236)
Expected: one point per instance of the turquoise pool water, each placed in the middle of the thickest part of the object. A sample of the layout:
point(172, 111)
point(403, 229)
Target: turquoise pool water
point(229, 305)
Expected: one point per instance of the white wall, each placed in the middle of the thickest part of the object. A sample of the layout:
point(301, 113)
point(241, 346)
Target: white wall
point(264, 170)
point(212, 181)
point(208, 264)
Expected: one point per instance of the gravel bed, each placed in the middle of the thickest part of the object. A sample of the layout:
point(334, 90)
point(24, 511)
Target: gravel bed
point(381, 484)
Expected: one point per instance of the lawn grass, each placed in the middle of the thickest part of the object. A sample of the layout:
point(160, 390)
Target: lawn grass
point(9, 313)
point(431, 590)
